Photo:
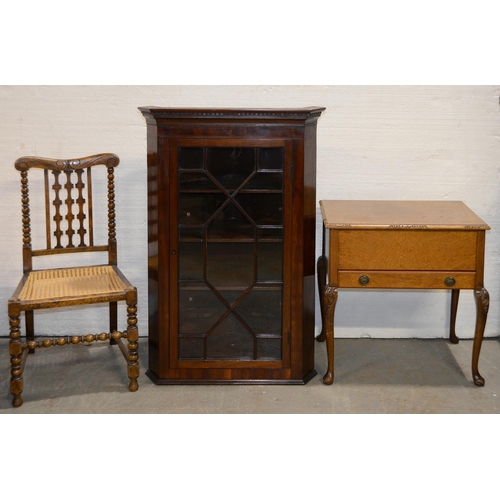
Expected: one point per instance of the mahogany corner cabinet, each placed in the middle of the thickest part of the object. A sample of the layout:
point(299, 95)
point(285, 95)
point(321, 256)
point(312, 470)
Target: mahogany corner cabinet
point(231, 245)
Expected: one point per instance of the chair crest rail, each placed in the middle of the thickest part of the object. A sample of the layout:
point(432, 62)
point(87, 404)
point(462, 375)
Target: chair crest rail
point(27, 162)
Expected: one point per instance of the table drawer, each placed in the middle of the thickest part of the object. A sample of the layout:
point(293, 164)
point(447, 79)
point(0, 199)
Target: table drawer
point(405, 279)
point(395, 249)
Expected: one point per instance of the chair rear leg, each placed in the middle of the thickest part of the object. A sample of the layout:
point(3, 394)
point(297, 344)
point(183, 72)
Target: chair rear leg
point(113, 320)
point(132, 338)
point(30, 327)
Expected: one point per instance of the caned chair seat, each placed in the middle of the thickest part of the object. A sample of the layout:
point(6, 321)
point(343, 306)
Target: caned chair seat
point(53, 285)
point(69, 229)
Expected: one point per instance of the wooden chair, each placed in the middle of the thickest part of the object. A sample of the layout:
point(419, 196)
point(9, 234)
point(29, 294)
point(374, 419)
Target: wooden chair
point(73, 286)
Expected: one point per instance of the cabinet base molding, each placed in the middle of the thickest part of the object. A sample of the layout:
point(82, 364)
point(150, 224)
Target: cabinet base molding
point(241, 381)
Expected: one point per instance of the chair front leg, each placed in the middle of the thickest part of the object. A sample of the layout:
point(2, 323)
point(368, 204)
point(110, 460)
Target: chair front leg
point(132, 338)
point(16, 356)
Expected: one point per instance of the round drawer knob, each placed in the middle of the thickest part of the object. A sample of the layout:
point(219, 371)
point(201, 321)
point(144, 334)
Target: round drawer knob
point(449, 281)
point(364, 280)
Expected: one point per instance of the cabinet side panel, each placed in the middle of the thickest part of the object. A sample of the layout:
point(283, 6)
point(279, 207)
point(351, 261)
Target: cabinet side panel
point(309, 241)
point(303, 266)
point(153, 216)
point(163, 253)
point(297, 257)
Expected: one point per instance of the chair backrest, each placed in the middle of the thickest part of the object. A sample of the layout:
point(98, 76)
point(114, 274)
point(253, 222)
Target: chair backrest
point(61, 179)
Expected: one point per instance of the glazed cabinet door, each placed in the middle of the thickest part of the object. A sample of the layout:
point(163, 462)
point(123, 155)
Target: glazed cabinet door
point(230, 220)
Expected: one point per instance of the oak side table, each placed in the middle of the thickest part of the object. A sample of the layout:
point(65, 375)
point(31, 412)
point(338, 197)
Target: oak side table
point(402, 245)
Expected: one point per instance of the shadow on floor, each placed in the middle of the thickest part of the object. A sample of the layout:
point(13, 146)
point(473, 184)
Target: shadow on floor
point(400, 362)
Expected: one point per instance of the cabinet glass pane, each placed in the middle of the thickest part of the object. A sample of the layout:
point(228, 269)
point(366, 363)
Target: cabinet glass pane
point(264, 181)
point(260, 309)
point(230, 340)
point(270, 158)
point(230, 265)
point(195, 181)
point(231, 166)
point(191, 347)
point(269, 349)
point(199, 310)
point(190, 158)
point(263, 209)
point(230, 224)
point(270, 261)
point(197, 208)
point(230, 253)
point(191, 253)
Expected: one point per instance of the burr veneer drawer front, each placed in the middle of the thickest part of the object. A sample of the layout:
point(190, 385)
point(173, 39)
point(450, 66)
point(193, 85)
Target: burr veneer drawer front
point(392, 249)
point(406, 279)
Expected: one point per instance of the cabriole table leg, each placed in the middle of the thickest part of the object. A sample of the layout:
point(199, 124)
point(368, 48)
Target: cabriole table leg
point(482, 305)
point(330, 295)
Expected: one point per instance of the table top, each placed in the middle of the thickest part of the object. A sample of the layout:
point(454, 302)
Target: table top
point(378, 214)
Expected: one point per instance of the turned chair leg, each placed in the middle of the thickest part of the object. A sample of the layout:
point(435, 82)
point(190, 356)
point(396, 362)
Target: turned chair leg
point(455, 294)
point(113, 320)
point(132, 338)
point(482, 305)
point(16, 358)
point(30, 327)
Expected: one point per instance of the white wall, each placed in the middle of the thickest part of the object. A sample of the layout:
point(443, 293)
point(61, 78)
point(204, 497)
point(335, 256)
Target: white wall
point(374, 142)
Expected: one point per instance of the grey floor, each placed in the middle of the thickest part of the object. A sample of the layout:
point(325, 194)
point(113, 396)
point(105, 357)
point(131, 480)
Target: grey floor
point(372, 376)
